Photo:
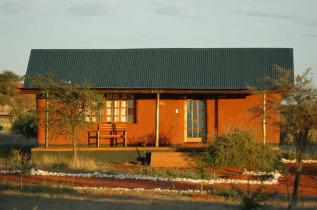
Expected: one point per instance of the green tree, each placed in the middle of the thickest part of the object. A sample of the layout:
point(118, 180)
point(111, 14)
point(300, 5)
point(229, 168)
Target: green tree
point(297, 104)
point(9, 94)
point(298, 108)
point(68, 105)
point(8, 86)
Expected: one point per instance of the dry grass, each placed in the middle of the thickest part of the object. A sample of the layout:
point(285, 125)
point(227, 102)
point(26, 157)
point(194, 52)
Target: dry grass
point(66, 164)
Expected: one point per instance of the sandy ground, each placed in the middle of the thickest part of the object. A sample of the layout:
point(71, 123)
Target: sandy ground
point(14, 200)
point(140, 201)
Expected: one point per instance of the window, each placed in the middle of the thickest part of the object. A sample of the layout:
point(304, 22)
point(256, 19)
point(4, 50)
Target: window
point(94, 116)
point(120, 108)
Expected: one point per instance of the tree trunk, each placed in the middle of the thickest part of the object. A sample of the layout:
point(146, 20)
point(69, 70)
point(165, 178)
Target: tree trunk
point(46, 122)
point(300, 150)
point(74, 147)
point(296, 181)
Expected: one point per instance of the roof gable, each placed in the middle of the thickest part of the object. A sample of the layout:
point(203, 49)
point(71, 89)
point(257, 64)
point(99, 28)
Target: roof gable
point(204, 69)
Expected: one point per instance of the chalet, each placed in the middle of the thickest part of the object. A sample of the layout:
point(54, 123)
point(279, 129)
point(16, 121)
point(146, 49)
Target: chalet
point(166, 97)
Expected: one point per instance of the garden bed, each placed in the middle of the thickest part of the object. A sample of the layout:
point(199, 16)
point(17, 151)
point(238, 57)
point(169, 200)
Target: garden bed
point(308, 183)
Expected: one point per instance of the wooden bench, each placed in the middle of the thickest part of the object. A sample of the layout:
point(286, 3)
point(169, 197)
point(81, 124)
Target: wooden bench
point(110, 131)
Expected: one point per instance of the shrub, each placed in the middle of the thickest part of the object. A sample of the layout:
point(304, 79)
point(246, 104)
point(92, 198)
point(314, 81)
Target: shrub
point(227, 193)
point(48, 188)
point(238, 148)
point(25, 125)
point(200, 162)
point(1, 127)
point(7, 186)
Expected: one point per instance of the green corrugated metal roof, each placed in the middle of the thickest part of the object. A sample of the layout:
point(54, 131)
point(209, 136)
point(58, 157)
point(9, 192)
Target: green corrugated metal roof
point(163, 68)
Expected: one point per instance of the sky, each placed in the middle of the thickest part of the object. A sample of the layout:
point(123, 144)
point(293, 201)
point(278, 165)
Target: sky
point(125, 24)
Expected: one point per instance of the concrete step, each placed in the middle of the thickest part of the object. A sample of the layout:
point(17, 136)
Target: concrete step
point(169, 160)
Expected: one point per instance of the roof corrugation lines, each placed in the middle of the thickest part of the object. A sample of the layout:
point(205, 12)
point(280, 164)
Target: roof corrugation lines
point(205, 69)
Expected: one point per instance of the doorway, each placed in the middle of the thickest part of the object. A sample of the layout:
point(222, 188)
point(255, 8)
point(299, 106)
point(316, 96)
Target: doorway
point(195, 120)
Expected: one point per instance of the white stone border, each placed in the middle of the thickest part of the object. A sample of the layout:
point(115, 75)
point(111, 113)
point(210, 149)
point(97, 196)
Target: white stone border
point(294, 161)
point(271, 181)
point(119, 189)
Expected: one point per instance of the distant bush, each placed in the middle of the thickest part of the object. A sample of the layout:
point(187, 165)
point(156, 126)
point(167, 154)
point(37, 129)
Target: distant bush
point(1, 127)
point(238, 148)
point(25, 125)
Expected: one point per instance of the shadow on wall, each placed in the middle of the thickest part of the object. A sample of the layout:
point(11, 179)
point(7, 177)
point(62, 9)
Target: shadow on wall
point(150, 139)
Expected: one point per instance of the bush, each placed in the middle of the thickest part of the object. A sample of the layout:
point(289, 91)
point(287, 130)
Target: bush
point(25, 125)
point(227, 193)
point(48, 188)
point(1, 127)
point(238, 148)
point(200, 162)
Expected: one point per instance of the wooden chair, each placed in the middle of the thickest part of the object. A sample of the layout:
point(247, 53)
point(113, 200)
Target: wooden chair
point(120, 130)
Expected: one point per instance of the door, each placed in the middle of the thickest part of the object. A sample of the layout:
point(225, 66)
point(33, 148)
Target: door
point(195, 118)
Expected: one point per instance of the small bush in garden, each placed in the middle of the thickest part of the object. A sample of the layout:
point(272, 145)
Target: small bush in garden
point(238, 148)
point(18, 160)
point(21, 162)
point(200, 163)
point(254, 200)
point(227, 193)
point(25, 125)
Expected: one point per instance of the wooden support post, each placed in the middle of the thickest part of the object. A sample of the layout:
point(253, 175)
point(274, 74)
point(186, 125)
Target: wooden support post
point(264, 117)
point(98, 139)
point(46, 122)
point(125, 139)
point(157, 120)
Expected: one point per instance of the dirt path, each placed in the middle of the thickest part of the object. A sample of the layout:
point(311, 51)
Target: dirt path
point(308, 182)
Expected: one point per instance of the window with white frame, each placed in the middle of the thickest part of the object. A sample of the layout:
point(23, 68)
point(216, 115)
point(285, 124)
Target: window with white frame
point(120, 108)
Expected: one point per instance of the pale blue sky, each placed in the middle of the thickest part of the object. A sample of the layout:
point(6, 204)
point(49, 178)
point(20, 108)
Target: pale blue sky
point(112, 24)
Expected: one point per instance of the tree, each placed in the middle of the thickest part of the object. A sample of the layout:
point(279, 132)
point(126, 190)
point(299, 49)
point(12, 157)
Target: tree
point(18, 104)
point(298, 109)
point(68, 105)
point(8, 86)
